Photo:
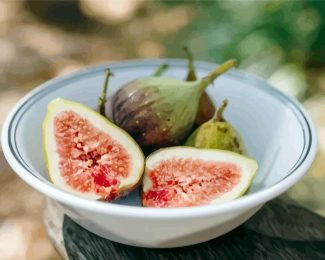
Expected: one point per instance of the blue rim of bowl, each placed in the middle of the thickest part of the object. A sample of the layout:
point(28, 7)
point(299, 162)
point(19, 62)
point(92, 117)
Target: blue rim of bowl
point(50, 86)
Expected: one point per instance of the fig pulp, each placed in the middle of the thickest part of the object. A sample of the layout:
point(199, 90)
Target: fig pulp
point(186, 176)
point(160, 111)
point(216, 133)
point(206, 107)
point(88, 155)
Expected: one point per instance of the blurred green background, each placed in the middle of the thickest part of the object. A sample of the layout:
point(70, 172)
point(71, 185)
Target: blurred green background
point(280, 41)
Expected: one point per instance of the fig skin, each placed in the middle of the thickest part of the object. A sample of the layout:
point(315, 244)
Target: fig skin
point(104, 107)
point(206, 107)
point(160, 111)
point(147, 114)
point(217, 133)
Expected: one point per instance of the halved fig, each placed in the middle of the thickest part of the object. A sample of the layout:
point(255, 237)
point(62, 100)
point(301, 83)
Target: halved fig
point(185, 176)
point(87, 154)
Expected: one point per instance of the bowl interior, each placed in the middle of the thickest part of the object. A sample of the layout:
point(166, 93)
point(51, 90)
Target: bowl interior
point(274, 130)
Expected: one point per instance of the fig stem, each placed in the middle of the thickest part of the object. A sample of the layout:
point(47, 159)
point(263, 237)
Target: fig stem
point(191, 76)
point(160, 70)
point(102, 98)
point(207, 80)
point(218, 115)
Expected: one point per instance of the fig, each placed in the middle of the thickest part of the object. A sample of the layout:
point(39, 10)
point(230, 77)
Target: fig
point(206, 107)
point(88, 155)
point(217, 133)
point(187, 176)
point(160, 111)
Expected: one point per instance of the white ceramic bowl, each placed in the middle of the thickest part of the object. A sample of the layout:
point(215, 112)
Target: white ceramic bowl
point(276, 129)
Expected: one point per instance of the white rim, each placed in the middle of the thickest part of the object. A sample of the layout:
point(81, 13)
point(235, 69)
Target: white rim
point(248, 201)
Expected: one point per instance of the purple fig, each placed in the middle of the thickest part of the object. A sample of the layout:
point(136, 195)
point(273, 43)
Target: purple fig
point(160, 111)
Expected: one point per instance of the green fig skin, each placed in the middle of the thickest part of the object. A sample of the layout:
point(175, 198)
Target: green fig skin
point(216, 134)
point(156, 111)
point(160, 111)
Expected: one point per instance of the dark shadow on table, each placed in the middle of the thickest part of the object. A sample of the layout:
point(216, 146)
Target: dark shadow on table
point(280, 230)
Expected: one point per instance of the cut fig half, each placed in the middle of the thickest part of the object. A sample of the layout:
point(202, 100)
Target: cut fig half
point(185, 176)
point(88, 155)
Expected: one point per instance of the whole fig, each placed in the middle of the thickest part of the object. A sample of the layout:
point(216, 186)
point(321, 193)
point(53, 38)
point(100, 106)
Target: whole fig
point(217, 133)
point(160, 111)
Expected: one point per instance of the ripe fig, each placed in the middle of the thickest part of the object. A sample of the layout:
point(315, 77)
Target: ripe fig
point(187, 176)
point(217, 133)
point(88, 155)
point(160, 111)
point(206, 107)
